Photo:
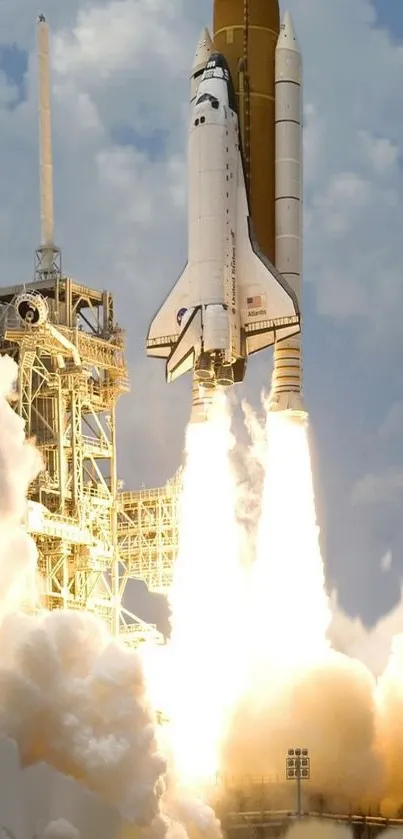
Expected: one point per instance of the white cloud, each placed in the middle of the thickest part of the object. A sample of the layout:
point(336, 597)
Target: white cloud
point(386, 562)
point(371, 646)
point(382, 153)
point(392, 424)
point(118, 35)
point(353, 180)
point(374, 489)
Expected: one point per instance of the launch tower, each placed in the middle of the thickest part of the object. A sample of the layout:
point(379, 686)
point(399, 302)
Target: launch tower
point(91, 538)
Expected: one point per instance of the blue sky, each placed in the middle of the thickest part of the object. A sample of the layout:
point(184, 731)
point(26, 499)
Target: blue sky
point(120, 92)
point(14, 64)
point(390, 14)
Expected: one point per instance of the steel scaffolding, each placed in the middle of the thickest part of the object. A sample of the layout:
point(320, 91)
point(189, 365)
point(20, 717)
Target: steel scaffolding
point(72, 370)
point(148, 533)
point(91, 538)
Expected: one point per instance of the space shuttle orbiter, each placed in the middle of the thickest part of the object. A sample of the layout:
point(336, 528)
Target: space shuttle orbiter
point(230, 301)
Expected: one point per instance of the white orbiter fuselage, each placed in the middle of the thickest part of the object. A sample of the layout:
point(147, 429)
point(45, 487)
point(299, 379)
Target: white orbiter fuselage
point(230, 301)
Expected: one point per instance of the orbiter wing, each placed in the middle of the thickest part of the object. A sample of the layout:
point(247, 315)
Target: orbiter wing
point(166, 324)
point(176, 332)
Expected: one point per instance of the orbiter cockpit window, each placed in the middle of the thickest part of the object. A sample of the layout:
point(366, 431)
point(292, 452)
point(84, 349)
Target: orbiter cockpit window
point(207, 97)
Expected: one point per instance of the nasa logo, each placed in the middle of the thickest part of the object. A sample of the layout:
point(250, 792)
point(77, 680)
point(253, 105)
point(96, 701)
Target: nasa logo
point(180, 315)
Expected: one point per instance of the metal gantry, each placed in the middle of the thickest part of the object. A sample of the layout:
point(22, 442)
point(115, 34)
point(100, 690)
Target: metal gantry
point(72, 371)
point(148, 523)
point(91, 538)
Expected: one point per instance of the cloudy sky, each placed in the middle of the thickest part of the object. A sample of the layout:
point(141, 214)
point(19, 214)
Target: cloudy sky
point(120, 89)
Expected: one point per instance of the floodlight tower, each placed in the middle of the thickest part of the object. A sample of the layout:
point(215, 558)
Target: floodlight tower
point(298, 768)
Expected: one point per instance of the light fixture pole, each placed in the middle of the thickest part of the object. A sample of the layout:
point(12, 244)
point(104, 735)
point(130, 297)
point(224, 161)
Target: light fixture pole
point(298, 768)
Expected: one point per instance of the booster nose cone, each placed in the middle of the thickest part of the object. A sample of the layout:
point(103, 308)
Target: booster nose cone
point(287, 39)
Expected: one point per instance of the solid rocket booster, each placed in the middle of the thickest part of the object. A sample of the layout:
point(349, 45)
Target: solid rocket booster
point(286, 389)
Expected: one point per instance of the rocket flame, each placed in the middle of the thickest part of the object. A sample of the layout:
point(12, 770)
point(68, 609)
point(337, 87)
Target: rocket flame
point(203, 650)
point(288, 584)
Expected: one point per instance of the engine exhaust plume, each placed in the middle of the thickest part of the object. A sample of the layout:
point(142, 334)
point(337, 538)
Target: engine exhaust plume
point(288, 585)
point(202, 656)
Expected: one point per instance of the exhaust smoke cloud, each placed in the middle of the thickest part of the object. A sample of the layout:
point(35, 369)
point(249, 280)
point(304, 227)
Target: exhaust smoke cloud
point(60, 829)
point(248, 672)
point(69, 695)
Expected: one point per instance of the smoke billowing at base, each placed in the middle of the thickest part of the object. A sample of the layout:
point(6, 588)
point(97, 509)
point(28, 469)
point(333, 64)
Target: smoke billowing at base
point(70, 696)
point(257, 675)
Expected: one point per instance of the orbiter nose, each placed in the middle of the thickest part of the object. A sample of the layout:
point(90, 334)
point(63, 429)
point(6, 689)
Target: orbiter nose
point(204, 49)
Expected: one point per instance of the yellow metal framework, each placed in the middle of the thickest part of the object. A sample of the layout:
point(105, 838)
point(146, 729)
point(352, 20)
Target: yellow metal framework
point(91, 538)
point(148, 533)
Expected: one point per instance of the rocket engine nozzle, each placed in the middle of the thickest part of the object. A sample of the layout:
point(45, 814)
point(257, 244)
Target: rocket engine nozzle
point(204, 368)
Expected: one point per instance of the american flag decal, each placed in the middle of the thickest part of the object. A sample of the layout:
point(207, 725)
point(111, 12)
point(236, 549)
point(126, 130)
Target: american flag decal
point(254, 302)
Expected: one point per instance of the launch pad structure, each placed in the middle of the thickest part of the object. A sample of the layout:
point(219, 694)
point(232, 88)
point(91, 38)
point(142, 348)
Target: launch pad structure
point(92, 538)
point(253, 807)
point(273, 824)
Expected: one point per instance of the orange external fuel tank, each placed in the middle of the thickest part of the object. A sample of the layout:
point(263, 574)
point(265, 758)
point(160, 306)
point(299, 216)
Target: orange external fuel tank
point(246, 33)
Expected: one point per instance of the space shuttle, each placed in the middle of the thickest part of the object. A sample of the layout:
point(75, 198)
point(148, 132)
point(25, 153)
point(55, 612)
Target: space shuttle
point(230, 301)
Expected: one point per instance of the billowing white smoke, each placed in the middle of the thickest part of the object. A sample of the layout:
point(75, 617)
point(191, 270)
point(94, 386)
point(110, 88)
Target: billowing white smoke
point(371, 646)
point(329, 708)
point(60, 829)
point(73, 698)
point(191, 817)
point(20, 462)
point(69, 696)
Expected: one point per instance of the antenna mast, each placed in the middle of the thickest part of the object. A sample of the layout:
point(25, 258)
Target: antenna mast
point(47, 263)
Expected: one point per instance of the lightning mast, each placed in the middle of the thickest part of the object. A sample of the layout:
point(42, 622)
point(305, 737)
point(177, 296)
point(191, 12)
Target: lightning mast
point(48, 260)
